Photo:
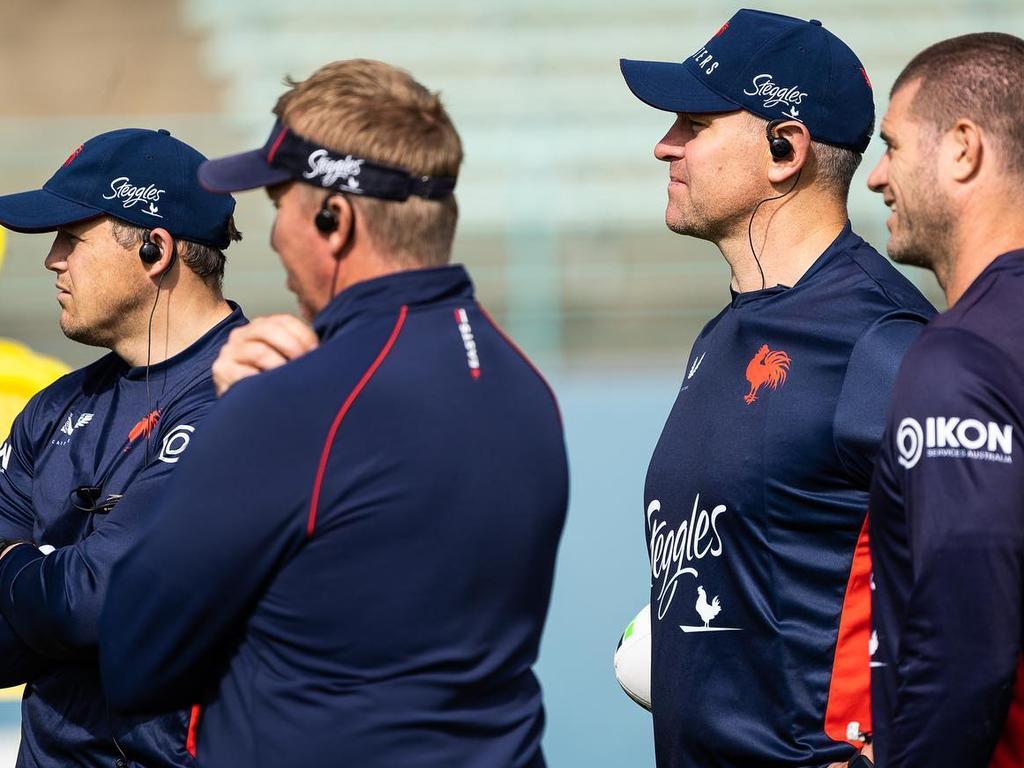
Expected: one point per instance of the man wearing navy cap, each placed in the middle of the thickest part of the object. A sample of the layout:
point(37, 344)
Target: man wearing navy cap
point(138, 259)
point(355, 563)
point(756, 496)
point(947, 499)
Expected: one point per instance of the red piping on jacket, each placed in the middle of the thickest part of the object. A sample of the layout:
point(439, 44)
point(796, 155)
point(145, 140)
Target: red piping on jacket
point(326, 452)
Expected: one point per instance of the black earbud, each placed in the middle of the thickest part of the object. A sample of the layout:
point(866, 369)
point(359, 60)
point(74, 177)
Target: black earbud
point(148, 251)
point(326, 220)
point(779, 146)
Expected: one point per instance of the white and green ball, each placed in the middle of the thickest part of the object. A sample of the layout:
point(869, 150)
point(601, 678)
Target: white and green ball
point(633, 659)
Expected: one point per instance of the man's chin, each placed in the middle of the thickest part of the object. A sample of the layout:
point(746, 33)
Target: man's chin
point(688, 228)
point(908, 254)
point(677, 223)
point(79, 333)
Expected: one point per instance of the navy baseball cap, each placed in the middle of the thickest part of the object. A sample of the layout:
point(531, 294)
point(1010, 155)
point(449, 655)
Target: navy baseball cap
point(143, 177)
point(288, 156)
point(774, 66)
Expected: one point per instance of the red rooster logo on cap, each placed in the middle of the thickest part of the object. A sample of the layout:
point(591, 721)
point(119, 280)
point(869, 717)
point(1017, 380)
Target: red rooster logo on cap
point(768, 368)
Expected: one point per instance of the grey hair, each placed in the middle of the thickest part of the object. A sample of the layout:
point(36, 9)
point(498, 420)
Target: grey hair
point(206, 261)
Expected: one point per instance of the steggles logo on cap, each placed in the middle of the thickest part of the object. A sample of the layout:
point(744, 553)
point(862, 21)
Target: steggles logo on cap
point(330, 170)
point(122, 189)
point(774, 95)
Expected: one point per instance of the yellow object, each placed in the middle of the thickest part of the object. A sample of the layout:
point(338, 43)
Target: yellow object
point(22, 374)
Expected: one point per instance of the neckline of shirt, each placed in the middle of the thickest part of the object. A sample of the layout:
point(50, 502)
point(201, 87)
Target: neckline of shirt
point(138, 372)
point(839, 244)
point(1000, 263)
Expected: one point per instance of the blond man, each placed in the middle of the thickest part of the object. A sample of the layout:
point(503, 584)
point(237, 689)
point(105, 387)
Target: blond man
point(359, 563)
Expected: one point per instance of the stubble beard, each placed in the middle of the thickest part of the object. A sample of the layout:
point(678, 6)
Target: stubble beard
point(924, 237)
point(113, 326)
point(696, 221)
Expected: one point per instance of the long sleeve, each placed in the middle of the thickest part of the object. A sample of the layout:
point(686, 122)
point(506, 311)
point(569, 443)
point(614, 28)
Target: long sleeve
point(16, 477)
point(867, 390)
point(961, 641)
point(53, 603)
point(225, 525)
point(18, 663)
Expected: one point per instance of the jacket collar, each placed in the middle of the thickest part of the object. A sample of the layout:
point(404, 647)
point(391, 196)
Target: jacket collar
point(410, 288)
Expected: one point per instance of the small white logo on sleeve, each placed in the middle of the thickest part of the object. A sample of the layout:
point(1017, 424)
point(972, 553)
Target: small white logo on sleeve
point(696, 365)
point(5, 456)
point(130, 195)
point(175, 442)
point(873, 649)
point(71, 424)
point(954, 438)
point(466, 331)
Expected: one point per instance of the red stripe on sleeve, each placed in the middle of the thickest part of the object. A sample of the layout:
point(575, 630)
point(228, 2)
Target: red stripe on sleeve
point(322, 468)
point(849, 694)
point(1010, 749)
point(193, 730)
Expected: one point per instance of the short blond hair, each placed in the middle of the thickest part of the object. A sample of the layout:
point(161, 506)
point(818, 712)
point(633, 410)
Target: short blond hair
point(379, 112)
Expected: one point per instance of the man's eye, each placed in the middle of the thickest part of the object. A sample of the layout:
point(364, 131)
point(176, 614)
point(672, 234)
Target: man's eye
point(695, 126)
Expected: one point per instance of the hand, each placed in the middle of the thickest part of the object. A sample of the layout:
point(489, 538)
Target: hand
point(263, 344)
point(868, 752)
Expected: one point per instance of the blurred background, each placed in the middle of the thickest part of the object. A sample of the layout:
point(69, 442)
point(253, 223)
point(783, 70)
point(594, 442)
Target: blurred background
point(561, 220)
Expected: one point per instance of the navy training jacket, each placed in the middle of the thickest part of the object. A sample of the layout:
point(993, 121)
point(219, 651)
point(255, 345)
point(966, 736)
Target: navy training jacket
point(354, 565)
point(947, 539)
point(98, 428)
point(754, 513)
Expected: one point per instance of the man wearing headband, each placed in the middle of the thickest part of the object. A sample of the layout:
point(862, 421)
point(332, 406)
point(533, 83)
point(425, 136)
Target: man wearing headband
point(138, 258)
point(756, 497)
point(355, 566)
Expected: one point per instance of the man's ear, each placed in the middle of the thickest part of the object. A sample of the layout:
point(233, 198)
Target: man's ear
point(345, 215)
point(161, 239)
point(963, 149)
point(784, 169)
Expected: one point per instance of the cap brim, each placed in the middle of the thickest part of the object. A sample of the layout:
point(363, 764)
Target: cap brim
point(42, 211)
point(235, 173)
point(672, 87)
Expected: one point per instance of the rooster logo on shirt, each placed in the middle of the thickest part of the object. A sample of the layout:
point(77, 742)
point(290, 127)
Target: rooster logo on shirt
point(144, 428)
point(768, 368)
point(707, 611)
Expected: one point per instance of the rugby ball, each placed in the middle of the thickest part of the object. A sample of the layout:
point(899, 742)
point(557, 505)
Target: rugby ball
point(633, 659)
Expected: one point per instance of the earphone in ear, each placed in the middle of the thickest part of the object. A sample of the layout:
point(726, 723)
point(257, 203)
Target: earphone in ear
point(148, 251)
point(326, 220)
point(779, 146)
